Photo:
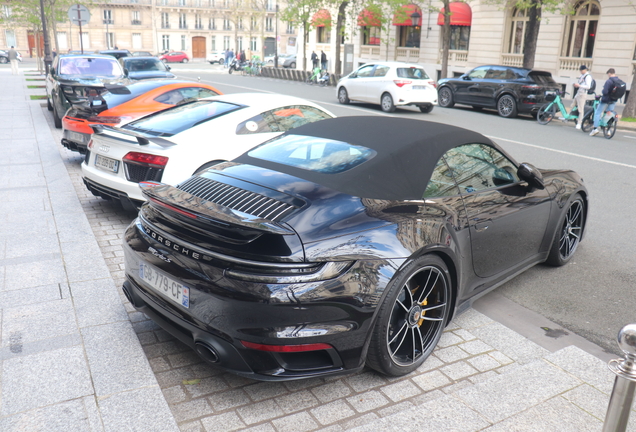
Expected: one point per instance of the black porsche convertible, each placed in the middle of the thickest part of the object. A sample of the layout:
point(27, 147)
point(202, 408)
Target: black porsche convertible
point(344, 242)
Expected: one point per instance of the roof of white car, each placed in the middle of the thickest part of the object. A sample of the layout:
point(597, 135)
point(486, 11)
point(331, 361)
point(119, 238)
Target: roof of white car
point(262, 101)
point(396, 64)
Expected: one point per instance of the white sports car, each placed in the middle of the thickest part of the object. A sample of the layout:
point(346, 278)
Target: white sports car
point(173, 144)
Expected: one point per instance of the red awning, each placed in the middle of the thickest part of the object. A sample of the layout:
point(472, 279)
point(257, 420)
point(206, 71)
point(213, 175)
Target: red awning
point(321, 18)
point(403, 16)
point(461, 14)
point(368, 19)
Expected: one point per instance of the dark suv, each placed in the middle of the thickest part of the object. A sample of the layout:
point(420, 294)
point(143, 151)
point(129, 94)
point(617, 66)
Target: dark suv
point(510, 90)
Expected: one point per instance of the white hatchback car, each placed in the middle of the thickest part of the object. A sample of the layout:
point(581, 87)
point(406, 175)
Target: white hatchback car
point(216, 57)
point(390, 84)
point(173, 144)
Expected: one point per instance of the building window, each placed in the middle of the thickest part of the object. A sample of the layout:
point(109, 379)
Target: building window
point(108, 16)
point(182, 2)
point(164, 2)
point(409, 36)
point(182, 21)
point(136, 20)
point(239, 24)
point(226, 42)
point(517, 31)
point(6, 11)
point(110, 40)
point(136, 41)
point(10, 38)
point(581, 30)
point(165, 20)
point(253, 44)
point(213, 42)
point(253, 25)
point(197, 22)
point(239, 44)
point(370, 35)
point(226, 24)
point(459, 38)
point(226, 4)
point(290, 27)
point(212, 24)
point(323, 35)
point(270, 5)
point(62, 42)
point(165, 42)
point(85, 41)
point(269, 24)
point(183, 42)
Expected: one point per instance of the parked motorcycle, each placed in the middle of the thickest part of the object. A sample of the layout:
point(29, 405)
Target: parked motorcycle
point(236, 66)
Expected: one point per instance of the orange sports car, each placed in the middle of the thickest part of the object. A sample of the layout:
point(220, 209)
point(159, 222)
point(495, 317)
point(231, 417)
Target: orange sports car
point(122, 104)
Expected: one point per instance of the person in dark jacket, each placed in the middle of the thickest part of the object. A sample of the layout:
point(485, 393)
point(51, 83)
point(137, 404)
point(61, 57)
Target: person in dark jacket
point(606, 103)
point(323, 60)
point(314, 59)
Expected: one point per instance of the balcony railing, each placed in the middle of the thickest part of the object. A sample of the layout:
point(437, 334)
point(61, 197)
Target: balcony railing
point(455, 57)
point(514, 60)
point(135, 22)
point(126, 2)
point(211, 27)
point(198, 26)
point(183, 26)
point(407, 54)
point(109, 21)
point(370, 51)
point(165, 26)
point(572, 64)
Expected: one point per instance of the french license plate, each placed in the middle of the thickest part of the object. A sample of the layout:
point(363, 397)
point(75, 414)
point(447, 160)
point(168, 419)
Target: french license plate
point(419, 87)
point(77, 137)
point(107, 164)
point(175, 291)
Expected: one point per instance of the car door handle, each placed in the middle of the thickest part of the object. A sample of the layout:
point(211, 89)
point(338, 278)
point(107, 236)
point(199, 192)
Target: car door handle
point(483, 226)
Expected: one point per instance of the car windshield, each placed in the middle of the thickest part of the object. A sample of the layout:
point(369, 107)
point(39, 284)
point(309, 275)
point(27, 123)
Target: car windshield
point(412, 73)
point(144, 65)
point(313, 154)
point(103, 67)
point(174, 120)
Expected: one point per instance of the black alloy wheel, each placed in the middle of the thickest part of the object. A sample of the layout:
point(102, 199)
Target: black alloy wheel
point(568, 237)
point(588, 122)
point(507, 106)
point(343, 96)
point(48, 104)
point(386, 102)
point(445, 97)
point(545, 114)
point(411, 318)
point(4, 60)
point(610, 130)
point(57, 120)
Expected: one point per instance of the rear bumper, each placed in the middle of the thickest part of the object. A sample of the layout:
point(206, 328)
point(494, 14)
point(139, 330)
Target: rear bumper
point(108, 193)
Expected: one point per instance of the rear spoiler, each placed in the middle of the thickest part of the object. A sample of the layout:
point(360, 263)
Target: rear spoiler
point(92, 99)
point(141, 139)
point(194, 207)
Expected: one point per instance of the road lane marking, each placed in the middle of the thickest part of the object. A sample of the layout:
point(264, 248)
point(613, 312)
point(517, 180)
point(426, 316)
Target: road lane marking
point(627, 136)
point(563, 152)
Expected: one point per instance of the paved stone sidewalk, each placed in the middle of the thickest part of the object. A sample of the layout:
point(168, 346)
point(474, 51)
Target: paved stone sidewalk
point(482, 376)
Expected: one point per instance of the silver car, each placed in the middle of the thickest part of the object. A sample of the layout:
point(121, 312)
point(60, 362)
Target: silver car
point(389, 84)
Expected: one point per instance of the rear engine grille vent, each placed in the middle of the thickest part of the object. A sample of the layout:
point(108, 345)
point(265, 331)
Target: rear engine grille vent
point(236, 198)
point(138, 173)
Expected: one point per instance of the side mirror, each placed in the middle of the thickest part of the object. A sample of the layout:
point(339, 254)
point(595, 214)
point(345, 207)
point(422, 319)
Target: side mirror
point(52, 70)
point(530, 174)
point(168, 67)
point(466, 77)
point(125, 72)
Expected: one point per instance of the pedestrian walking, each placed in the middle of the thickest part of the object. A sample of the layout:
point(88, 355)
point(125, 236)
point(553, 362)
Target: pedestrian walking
point(584, 84)
point(314, 59)
point(13, 58)
point(226, 57)
point(323, 60)
point(607, 103)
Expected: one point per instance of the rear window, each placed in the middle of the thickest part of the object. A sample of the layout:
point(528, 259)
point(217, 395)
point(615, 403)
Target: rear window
point(174, 120)
point(144, 65)
point(412, 73)
point(103, 67)
point(541, 78)
point(313, 154)
point(281, 119)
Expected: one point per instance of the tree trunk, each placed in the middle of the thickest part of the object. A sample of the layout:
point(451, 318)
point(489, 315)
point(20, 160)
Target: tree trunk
point(339, 25)
point(445, 39)
point(305, 37)
point(630, 104)
point(532, 34)
point(53, 23)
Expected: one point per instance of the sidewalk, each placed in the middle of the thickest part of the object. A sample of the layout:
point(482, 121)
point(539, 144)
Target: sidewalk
point(71, 361)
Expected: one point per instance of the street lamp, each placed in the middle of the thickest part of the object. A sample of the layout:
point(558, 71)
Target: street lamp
point(415, 19)
point(48, 60)
point(415, 34)
point(276, 40)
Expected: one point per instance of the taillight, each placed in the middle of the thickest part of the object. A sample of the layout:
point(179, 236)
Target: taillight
point(104, 119)
point(173, 208)
point(433, 83)
point(154, 161)
point(287, 348)
point(90, 145)
point(401, 83)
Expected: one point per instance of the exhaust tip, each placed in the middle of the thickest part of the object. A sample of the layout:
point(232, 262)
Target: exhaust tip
point(129, 297)
point(206, 352)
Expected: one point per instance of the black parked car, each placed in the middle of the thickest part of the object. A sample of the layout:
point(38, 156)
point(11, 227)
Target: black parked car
point(117, 53)
point(140, 68)
point(345, 241)
point(72, 77)
point(510, 90)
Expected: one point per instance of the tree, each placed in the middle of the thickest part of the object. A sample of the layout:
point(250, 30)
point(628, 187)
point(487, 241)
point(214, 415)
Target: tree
point(299, 12)
point(630, 104)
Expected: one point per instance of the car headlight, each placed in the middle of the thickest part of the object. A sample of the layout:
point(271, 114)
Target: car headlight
point(286, 273)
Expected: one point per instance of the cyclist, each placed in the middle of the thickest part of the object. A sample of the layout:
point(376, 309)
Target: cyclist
point(583, 84)
point(606, 103)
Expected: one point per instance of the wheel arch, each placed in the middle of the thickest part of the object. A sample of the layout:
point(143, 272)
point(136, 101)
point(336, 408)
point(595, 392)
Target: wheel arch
point(453, 272)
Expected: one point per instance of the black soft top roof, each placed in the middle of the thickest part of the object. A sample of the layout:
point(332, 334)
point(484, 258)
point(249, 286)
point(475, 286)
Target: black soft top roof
point(407, 152)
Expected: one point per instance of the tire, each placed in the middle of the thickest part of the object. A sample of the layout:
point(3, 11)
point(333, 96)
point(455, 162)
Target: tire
point(57, 120)
point(292, 65)
point(610, 130)
point(229, 70)
point(185, 60)
point(4, 60)
point(222, 61)
point(343, 96)
point(569, 232)
point(386, 103)
point(445, 96)
point(408, 326)
point(426, 108)
point(546, 114)
point(588, 122)
point(48, 104)
point(507, 106)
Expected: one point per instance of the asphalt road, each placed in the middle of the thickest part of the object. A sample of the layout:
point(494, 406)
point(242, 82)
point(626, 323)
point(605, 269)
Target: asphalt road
point(591, 296)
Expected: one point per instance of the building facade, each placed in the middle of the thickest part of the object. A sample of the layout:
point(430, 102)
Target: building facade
point(197, 27)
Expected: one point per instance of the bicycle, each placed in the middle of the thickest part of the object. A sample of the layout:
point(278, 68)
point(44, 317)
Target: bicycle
point(313, 78)
point(548, 111)
point(607, 124)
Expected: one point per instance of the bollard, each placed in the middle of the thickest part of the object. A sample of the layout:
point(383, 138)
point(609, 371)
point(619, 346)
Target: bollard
point(620, 403)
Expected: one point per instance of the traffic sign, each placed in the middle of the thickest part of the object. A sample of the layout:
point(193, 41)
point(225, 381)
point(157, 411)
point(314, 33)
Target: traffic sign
point(79, 14)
